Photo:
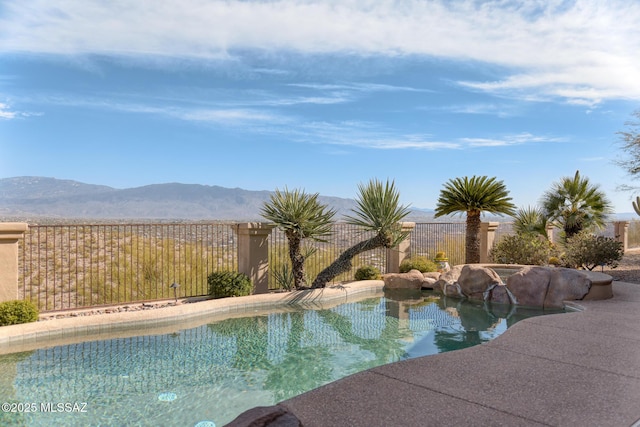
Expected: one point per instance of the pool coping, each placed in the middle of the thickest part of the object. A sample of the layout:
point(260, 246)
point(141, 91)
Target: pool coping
point(184, 315)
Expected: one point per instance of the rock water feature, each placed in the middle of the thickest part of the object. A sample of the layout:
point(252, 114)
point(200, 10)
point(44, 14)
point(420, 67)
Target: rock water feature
point(532, 286)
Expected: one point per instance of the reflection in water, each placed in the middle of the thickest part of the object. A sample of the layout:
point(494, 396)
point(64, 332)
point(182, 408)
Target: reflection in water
point(217, 371)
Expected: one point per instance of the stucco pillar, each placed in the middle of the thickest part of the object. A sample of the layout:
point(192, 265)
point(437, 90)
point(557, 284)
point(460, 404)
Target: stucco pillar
point(396, 255)
point(10, 233)
point(487, 236)
point(253, 253)
point(550, 229)
point(621, 233)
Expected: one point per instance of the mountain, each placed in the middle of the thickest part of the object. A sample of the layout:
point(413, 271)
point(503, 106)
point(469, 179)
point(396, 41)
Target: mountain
point(28, 197)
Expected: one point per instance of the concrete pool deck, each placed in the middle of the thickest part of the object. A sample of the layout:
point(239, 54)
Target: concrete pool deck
point(571, 369)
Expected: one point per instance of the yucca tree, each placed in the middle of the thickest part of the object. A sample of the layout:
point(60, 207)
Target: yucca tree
point(473, 196)
point(575, 204)
point(378, 210)
point(530, 220)
point(300, 216)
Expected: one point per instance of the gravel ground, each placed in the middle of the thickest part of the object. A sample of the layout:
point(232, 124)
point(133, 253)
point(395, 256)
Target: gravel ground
point(628, 270)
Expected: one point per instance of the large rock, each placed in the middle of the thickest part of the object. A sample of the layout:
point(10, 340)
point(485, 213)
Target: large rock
point(499, 294)
point(435, 275)
point(474, 281)
point(447, 278)
point(263, 416)
point(410, 280)
point(428, 283)
point(529, 286)
point(566, 285)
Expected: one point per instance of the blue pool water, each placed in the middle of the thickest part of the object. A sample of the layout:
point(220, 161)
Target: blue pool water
point(207, 375)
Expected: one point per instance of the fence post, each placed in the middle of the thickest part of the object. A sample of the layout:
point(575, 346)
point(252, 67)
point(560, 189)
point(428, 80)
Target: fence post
point(487, 236)
point(396, 255)
point(253, 253)
point(550, 228)
point(10, 233)
point(621, 233)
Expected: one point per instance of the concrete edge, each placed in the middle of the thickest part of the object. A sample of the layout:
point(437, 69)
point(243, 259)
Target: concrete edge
point(29, 336)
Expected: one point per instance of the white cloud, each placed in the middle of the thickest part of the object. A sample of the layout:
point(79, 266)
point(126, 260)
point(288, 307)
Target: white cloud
point(509, 140)
point(359, 87)
point(214, 115)
point(583, 50)
point(6, 113)
point(484, 109)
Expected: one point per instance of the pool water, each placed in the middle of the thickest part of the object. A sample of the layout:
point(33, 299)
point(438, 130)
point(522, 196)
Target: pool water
point(208, 375)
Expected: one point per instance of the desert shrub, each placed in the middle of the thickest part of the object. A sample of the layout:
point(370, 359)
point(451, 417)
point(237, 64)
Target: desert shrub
point(588, 251)
point(283, 276)
point(16, 312)
point(522, 248)
point(368, 272)
point(554, 260)
point(229, 284)
point(421, 263)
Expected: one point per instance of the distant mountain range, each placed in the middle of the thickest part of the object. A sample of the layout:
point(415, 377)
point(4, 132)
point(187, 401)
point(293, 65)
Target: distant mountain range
point(31, 197)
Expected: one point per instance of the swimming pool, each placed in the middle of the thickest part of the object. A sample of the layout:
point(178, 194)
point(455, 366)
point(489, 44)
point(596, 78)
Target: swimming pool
point(211, 373)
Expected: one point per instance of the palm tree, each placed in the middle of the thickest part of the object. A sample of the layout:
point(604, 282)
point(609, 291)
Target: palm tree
point(301, 216)
point(530, 220)
point(575, 204)
point(378, 210)
point(473, 196)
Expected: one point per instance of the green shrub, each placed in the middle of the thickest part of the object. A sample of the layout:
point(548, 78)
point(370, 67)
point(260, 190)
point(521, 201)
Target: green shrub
point(16, 312)
point(522, 248)
point(421, 263)
point(588, 251)
point(283, 276)
point(229, 284)
point(368, 272)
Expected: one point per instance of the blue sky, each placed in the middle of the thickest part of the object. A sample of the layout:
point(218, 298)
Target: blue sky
point(319, 95)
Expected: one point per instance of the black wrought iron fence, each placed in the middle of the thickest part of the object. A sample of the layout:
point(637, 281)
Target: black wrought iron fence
point(83, 265)
point(429, 238)
point(74, 266)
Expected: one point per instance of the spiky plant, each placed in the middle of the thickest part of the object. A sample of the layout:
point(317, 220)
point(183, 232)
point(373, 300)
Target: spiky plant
point(636, 205)
point(300, 216)
point(378, 210)
point(575, 204)
point(530, 220)
point(473, 196)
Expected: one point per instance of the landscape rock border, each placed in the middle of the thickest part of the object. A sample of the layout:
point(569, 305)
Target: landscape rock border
point(531, 286)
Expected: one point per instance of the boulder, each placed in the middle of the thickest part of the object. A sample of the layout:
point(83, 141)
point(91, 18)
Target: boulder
point(428, 283)
point(499, 294)
point(566, 285)
point(447, 278)
point(263, 416)
point(435, 275)
point(474, 280)
point(410, 280)
point(452, 275)
point(529, 286)
point(452, 290)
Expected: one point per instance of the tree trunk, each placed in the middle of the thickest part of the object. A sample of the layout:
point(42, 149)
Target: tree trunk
point(297, 261)
point(472, 238)
point(570, 231)
point(343, 263)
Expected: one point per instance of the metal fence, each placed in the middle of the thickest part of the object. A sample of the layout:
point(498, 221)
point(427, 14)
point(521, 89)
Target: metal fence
point(429, 238)
point(73, 266)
